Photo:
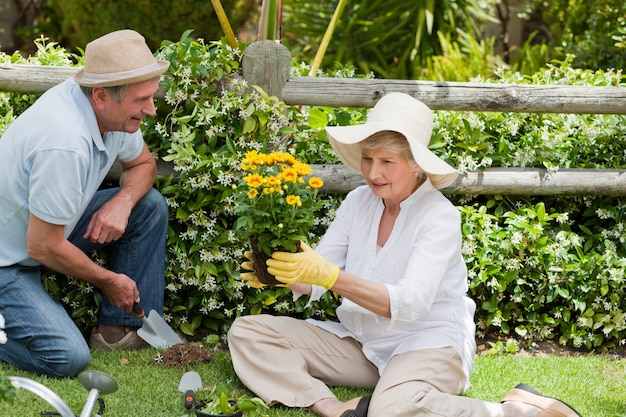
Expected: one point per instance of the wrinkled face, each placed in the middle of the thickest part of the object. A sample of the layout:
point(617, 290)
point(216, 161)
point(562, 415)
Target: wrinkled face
point(126, 114)
point(389, 174)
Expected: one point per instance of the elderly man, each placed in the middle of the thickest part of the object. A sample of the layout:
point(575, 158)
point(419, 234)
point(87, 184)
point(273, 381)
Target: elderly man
point(53, 159)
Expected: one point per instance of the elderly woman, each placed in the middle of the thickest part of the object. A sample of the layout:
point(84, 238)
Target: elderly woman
point(393, 254)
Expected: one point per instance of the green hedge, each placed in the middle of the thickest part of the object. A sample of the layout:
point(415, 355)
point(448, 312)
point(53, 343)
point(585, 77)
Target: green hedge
point(539, 267)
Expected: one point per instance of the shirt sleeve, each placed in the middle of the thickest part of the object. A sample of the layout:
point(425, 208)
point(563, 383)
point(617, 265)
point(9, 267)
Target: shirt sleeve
point(132, 147)
point(55, 187)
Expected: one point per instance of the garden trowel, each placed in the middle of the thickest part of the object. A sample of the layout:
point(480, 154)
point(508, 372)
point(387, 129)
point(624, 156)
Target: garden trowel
point(154, 330)
point(189, 384)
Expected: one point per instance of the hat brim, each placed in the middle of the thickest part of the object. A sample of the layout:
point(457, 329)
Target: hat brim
point(114, 80)
point(344, 140)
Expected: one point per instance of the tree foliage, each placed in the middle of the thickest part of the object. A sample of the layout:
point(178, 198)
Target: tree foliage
point(73, 23)
point(390, 38)
point(594, 32)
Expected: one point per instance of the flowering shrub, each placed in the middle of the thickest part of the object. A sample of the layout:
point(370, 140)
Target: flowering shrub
point(204, 129)
point(3, 335)
point(541, 267)
point(274, 202)
point(6, 390)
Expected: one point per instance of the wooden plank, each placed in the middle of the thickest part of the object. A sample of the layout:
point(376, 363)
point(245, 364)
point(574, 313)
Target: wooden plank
point(348, 92)
point(505, 181)
point(338, 179)
point(442, 96)
point(538, 181)
point(267, 64)
point(37, 79)
point(32, 78)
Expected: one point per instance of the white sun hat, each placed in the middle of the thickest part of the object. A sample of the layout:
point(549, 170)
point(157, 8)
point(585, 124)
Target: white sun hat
point(397, 112)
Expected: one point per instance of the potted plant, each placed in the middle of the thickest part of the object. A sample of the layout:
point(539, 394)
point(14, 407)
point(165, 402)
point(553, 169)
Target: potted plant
point(220, 402)
point(276, 205)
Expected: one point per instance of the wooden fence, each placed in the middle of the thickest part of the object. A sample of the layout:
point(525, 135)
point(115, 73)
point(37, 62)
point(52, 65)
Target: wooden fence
point(266, 64)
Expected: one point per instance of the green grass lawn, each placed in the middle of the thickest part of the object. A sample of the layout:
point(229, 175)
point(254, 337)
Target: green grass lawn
point(594, 385)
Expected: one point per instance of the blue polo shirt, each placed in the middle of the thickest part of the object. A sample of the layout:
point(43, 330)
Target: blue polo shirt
point(52, 161)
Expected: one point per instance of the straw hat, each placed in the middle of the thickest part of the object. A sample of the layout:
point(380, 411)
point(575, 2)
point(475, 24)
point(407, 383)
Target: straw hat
point(400, 113)
point(119, 58)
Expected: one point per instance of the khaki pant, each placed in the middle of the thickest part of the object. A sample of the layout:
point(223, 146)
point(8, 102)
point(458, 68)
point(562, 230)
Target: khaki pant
point(291, 362)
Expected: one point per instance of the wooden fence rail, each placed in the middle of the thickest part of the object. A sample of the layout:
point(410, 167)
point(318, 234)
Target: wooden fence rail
point(358, 92)
point(342, 92)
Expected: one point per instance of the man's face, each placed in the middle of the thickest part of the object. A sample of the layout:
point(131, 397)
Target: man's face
point(126, 115)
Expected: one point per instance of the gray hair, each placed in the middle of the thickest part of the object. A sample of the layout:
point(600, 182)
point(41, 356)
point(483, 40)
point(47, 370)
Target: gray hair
point(117, 92)
point(390, 140)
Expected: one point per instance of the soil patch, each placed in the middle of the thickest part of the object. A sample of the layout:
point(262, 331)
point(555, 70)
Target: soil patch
point(546, 348)
point(183, 354)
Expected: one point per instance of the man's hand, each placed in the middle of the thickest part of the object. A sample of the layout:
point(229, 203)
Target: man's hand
point(109, 222)
point(121, 291)
point(47, 244)
point(306, 267)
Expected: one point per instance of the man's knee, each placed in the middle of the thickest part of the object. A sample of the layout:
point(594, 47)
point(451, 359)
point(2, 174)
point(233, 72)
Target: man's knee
point(76, 361)
point(61, 361)
point(156, 201)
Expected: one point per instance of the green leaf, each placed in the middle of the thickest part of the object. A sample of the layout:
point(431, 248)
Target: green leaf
point(187, 329)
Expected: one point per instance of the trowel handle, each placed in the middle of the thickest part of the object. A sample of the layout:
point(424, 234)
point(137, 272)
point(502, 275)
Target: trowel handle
point(190, 396)
point(138, 310)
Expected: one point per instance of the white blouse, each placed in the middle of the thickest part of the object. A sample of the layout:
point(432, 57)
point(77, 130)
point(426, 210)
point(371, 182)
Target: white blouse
point(422, 267)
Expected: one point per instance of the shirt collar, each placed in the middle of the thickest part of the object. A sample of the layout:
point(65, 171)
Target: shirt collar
point(90, 116)
point(426, 187)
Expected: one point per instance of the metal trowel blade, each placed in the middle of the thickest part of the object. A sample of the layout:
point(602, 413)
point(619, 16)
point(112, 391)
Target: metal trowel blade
point(189, 384)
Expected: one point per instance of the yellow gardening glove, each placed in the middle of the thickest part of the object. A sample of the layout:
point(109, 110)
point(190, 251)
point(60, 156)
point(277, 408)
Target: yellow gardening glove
point(253, 280)
point(306, 267)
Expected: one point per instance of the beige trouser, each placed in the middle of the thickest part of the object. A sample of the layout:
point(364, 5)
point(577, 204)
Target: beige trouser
point(288, 361)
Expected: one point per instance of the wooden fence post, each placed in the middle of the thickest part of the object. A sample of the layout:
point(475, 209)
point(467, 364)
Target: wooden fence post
point(267, 64)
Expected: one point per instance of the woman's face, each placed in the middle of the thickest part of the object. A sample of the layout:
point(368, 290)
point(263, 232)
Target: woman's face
point(390, 175)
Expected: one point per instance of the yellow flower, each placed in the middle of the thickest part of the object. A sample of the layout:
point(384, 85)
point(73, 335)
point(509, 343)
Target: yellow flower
point(316, 182)
point(246, 165)
point(283, 157)
point(302, 169)
point(290, 175)
point(252, 159)
point(253, 180)
point(276, 198)
point(293, 200)
point(273, 181)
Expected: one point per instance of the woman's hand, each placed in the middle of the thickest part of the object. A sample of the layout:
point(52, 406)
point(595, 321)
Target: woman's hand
point(306, 267)
point(251, 277)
